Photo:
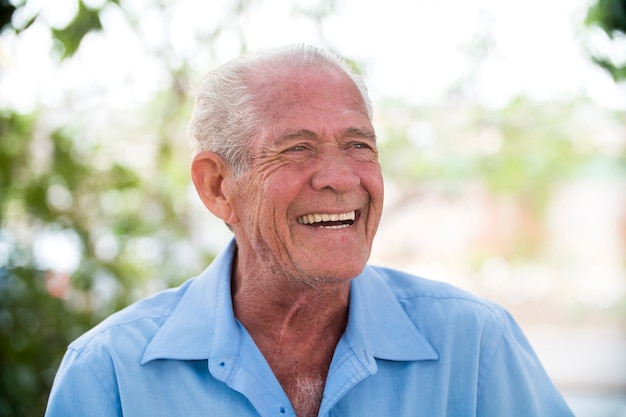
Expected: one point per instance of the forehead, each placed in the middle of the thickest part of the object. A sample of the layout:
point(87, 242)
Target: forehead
point(313, 100)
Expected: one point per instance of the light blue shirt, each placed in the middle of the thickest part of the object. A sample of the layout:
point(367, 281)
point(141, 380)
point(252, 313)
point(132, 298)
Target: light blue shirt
point(412, 347)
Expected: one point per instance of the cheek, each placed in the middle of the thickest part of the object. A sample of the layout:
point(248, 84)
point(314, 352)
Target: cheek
point(372, 180)
point(284, 186)
point(250, 205)
point(267, 205)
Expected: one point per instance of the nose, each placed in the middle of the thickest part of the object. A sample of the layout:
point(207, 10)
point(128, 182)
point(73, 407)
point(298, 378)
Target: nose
point(335, 171)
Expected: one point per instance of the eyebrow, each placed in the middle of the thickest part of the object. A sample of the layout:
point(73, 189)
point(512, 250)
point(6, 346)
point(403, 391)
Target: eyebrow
point(365, 134)
point(309, 134)
point(303, 133)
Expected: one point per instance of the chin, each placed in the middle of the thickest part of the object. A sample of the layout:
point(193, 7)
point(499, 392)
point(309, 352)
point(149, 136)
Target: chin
point(335, 275)
point(331, 266)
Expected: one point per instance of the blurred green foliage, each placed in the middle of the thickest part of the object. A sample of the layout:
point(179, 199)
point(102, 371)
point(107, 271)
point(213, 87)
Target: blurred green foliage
point(525, 148)
point(122, 231)
point(523, 152)
point(610, 16)
point(69, 38)
point(61, 193)
point(34, 331)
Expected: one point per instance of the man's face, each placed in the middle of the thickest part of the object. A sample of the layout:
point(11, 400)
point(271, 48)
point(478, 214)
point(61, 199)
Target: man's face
point(311, 202)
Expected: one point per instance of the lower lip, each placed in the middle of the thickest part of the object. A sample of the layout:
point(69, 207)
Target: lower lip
point(338, 227)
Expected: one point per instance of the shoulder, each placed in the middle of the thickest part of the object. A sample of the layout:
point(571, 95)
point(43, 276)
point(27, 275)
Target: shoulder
point(408, 286)
point(478, 342)
point(133, 326)
point(452, 319)
point(434, 302)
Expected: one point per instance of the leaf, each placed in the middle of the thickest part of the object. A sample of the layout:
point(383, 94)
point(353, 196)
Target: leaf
point(6, 13)
point(86, 20)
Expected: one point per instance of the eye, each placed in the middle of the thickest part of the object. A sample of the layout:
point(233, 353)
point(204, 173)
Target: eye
point(362, 151)
point(296, 149)
point(361, 145)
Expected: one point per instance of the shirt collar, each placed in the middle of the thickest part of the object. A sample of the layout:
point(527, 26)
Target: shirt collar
point(379, 325)
point(204, 310)
point(203, 324)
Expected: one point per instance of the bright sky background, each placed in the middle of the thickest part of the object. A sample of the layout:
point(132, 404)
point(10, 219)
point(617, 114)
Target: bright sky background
point(414, 50)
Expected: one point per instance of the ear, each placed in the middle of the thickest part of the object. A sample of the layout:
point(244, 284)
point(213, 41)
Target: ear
point(215, 185)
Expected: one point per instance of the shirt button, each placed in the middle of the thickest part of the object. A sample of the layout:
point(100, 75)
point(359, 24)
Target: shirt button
point(282, 410)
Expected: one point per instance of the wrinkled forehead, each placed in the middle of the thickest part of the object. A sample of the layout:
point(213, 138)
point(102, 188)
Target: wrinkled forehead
point(277, 90)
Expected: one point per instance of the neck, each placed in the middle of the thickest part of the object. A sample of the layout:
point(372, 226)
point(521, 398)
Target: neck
point(267, 300)
point(264, 306)
point(295, 326)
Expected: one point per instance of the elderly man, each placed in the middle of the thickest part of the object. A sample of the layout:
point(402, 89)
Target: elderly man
point(289, 320)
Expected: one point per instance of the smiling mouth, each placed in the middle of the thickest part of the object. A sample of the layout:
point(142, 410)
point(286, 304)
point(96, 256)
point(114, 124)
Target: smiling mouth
point(328, 221)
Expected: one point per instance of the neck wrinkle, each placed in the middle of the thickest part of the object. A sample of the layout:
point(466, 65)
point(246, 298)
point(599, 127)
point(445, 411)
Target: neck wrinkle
point(284, 305)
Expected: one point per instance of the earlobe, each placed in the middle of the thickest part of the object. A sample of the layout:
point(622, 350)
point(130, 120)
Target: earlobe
point(213, 180)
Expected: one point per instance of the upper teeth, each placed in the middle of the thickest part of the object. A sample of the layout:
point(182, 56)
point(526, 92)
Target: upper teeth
point(316, 218)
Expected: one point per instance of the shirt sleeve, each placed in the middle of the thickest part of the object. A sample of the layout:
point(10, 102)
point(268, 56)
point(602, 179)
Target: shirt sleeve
point(516, 383)
point(82, 388)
